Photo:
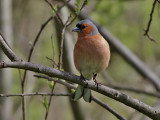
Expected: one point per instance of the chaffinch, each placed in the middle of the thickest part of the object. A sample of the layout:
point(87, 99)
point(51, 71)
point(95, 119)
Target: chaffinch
point(91, 55)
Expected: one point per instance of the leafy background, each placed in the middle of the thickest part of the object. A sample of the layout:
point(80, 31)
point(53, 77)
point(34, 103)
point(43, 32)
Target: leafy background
point(125, 19)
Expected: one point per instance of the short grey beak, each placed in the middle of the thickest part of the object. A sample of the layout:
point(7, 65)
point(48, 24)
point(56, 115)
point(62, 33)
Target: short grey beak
point(76, 29)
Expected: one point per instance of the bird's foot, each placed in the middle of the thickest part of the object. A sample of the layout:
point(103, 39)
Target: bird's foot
point(97, 83)
point(94, 79)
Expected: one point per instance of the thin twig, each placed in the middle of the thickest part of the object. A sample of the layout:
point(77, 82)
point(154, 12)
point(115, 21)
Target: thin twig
point(29, 58)
point(149, 23)
point(12, 56)
point(138, 91)
point(53, 50)
point(52, 89)
point(20, 74)
point(30, 55)
point(150, 37)
point(104, 105)
point(158, 1)
point(4, 40)
point(83, 5)
point(53, 61)
point(7, 50)
point(35, 41)
point(49, 101)
point(57, 15)
point(61, 49)
point(58, 81)
point(59, 64)
point(65, 3)
point(35, 94)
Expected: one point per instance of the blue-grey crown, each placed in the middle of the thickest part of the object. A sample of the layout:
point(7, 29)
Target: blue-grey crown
point(95, 30)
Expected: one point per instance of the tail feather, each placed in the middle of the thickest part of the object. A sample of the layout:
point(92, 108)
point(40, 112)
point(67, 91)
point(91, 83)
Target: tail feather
point(82, 91)
point(87, 94)
point(78, 93)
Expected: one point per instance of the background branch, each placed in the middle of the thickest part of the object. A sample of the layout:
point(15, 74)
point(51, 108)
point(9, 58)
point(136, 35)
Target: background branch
point(29, 59)
point(149, 23)
point(104, 105)
point(131, 89)
point(57, 15)
point(30, 55)
point(7, 50)
point(35, 94)
point(158, 1)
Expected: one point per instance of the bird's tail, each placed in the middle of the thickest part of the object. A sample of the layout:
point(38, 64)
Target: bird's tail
point(82, 91)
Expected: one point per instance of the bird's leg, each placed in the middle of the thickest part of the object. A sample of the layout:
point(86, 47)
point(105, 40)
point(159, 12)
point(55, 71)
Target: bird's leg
point(94, 79)
point(82, 78)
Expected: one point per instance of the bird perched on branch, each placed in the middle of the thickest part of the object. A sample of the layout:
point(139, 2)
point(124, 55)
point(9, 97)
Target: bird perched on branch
point(91, 55)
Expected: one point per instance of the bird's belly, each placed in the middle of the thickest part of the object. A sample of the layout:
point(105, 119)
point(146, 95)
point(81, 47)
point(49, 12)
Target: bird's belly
point(91, 56)
point(87, 69)
point(87, 65)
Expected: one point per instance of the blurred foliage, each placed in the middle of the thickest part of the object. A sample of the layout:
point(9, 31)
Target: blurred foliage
point(126, 19)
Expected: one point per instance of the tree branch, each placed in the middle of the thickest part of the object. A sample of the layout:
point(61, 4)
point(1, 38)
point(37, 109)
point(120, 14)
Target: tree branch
point(158, 1)
point(60, 57)
point(149, 23)
point(7, 50)
point(138, 91)
point(114, 94)
point(35, 94)
point(57, 15)
point(104, 105)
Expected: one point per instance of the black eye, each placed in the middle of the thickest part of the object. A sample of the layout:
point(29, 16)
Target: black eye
point(78, 25)
point(83, 26)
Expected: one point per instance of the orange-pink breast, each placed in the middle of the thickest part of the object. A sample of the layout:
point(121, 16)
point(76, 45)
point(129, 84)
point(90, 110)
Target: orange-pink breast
point(91, 54)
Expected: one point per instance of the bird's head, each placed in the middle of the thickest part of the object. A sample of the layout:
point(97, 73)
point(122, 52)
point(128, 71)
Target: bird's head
point(85, 28)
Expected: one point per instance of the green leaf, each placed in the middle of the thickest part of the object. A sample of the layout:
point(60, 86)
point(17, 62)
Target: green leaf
point(78, 1)
point(53, 13)
point(76, 4)
point(56, 8)
point(86, 2)
point(51, 84)
point(45, 103)
point(77, 8)
point(72, 91)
